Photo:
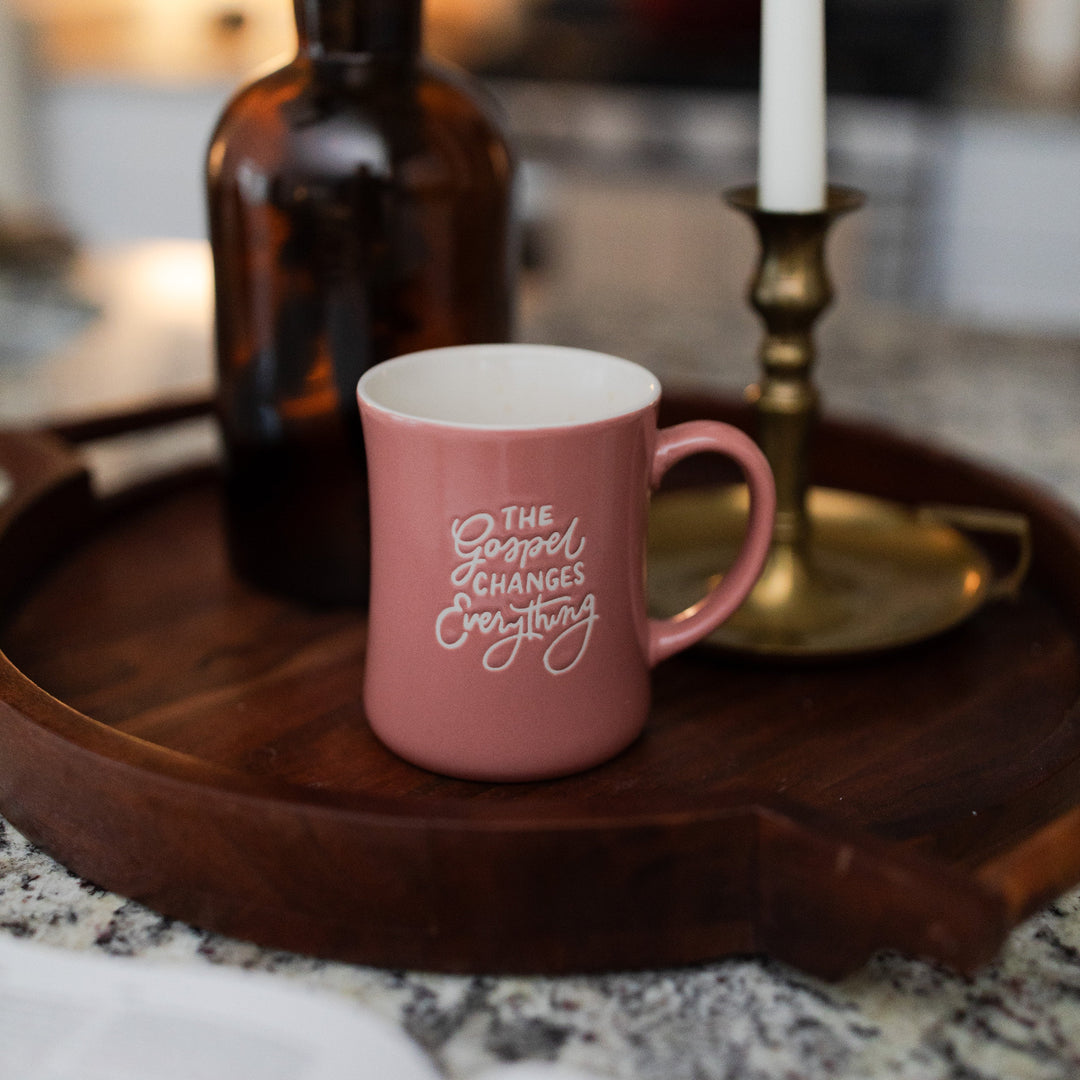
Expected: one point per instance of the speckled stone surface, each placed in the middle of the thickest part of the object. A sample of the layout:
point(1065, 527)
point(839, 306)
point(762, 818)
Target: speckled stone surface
point(750, 1019)
point(1012, 401)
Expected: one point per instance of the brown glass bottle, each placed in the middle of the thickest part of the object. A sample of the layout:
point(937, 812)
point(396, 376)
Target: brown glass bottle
point(360, 207)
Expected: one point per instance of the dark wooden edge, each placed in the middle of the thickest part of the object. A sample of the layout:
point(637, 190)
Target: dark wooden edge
point(948, 915)
point(739, 870)
point(832, 928)
point(107, 425)
point(49, 506)
point(1047, 862)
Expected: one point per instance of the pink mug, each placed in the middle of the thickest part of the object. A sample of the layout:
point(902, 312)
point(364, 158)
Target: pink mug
point(509, 484)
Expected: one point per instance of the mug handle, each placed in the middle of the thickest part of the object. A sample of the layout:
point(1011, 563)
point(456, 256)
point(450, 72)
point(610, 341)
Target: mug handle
point(668, 636)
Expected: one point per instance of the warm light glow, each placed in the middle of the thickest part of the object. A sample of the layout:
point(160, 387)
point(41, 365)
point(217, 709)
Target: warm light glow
point(972, 582)
point(175, 274)
point(1045, 45)
point(161, 40)
point(468, 32)
point(179, 39)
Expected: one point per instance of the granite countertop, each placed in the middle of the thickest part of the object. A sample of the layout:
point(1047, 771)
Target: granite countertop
point(1008, 399)
point(745, 1018)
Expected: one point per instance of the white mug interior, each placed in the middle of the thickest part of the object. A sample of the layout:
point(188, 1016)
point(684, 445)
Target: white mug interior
point(509, 386)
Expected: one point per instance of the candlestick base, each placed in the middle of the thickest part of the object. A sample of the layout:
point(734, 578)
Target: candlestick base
point(846, 572)
point(872, 575)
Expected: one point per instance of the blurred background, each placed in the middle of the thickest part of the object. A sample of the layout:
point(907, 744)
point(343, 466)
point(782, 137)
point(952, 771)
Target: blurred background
point(959, 118)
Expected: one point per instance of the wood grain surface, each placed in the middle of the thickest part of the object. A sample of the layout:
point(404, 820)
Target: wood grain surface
point(176, 736)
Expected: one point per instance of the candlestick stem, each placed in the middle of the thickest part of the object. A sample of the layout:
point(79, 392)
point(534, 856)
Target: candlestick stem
point(790, 290)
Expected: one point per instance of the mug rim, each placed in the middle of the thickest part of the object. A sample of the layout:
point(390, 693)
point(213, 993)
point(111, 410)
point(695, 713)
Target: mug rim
point(643, 399)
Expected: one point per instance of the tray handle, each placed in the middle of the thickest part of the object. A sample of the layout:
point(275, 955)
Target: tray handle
point(136, 417)
point(34, 461)
point(989, 522)
point(45, 499)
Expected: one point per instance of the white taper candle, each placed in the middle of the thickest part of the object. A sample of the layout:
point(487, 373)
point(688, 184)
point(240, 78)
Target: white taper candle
point(791, 151)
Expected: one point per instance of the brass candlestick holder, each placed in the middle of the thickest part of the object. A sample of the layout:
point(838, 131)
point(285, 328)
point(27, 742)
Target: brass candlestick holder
point(847, 572)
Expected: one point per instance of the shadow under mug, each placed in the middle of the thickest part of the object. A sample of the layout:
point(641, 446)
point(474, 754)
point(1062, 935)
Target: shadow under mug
point(509, 486)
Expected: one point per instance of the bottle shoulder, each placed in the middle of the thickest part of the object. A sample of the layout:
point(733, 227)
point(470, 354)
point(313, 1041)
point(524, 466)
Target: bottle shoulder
point(263, 95)
point(459, 91)
point(302, 93)
point(335, 118)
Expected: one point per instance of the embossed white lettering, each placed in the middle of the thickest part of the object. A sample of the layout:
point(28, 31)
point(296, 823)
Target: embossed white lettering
point(504, 584)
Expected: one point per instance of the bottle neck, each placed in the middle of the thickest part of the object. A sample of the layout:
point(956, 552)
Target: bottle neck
point(380, 28)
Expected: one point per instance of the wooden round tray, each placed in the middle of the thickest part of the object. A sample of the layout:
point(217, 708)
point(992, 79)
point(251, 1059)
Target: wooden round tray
point(174, 736)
